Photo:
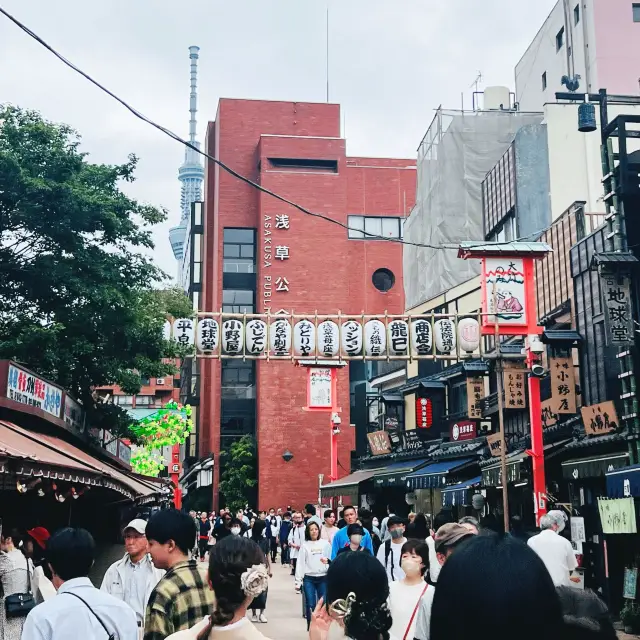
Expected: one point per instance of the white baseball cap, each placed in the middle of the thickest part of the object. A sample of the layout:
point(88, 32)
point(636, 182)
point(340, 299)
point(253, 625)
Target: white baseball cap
point(138, 525)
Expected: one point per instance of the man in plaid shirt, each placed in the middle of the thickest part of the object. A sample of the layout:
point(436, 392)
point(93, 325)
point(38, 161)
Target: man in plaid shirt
point(183, 596)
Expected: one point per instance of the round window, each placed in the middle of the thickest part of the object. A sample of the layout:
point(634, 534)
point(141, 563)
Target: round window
point(383, 279)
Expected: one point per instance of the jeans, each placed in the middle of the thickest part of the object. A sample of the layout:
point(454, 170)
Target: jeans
point(314, 588)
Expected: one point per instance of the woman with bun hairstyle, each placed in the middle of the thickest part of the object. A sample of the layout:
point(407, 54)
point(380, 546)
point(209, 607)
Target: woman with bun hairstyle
point(237, 575)
point(356, 605)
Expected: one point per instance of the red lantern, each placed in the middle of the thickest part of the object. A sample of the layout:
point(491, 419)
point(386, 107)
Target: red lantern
point(424, 413)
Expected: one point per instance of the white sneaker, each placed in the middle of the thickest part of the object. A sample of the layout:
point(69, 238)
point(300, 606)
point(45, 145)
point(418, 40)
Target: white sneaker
point(254, 617)
point(263, 618)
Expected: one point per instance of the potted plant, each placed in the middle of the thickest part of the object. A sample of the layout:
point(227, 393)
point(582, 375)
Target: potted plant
point(630, 617)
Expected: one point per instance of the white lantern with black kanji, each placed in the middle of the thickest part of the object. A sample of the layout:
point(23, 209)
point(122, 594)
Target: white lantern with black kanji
point(207, 334)
point(280, 337)
point(256, 337)
point(421, 337)
point(166, 330)
point(351, 338)
point(375, 338)
point(469, 334)
point(232, 336)
point(328, 339)
point(183, 331)
point(398, 337)
point(304, 338)
point(445, 335)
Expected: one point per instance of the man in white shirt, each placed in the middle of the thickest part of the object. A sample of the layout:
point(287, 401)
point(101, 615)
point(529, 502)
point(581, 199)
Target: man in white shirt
point(555, 551)
point(133, 578)
point(296, 540)
point(79, 610)
point(390, 553)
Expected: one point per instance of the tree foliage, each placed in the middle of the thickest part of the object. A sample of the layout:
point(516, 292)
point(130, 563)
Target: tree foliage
point(239, 476)
point(77, 298)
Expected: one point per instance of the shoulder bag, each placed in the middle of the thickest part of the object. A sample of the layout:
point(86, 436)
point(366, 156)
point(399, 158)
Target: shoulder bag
point(413, 615)
point(18, 605)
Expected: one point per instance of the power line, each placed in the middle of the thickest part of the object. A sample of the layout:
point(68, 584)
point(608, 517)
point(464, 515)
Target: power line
point(215, 160)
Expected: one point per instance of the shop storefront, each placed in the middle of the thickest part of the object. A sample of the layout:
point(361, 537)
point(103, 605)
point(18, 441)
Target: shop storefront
point(458, 497)
point(350, 489)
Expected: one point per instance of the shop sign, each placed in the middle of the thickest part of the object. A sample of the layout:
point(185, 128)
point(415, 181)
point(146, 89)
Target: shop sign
point(514, 389)
point(256, 337)
point(391, 423)
point(379, 443)
point(73, 414)
point(421, 337)
point(577, 529)
point(412, 441)
point(424, 413)
point(599, 418)
point(463, 430)
point(232, 336)
point(328, 338)
point(26, 388)
point(183, 331)
point(351, 338)
point(629, 588)
point(445, 336)
point(475, 394)
point(617, 516)
point(375, 340)
point(505, 290)
point(469, 334)
point(208, 333)
point(563, 384)
point(110, 443)
point(273, 251)
point(320, 388)
point(124, 452)
point(617, 303)
point(494, 443)
point(549, 413)
point(398, 337)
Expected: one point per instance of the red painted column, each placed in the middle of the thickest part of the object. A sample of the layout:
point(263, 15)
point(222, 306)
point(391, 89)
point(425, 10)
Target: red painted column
point(537, 445)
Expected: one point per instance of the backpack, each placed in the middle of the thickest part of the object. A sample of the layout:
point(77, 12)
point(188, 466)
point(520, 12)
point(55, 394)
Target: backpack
point(387, 553)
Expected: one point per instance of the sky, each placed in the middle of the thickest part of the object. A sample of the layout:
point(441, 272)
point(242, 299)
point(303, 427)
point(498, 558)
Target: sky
point(391, 63)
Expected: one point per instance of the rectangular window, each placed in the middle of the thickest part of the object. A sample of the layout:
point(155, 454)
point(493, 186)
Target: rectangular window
point(355, 222)
point(544, 80)
point(560, 39)
point(237, 301)
point(238, 379)
point(144, 401)
point(372, 226)
point(636, 11)
point(238, 251)
point(576, 14)
point(384, 226)
point(123, 401)
point(304, 164)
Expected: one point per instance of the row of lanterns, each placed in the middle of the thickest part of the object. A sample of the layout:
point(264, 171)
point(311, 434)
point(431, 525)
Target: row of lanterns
point(327, 339)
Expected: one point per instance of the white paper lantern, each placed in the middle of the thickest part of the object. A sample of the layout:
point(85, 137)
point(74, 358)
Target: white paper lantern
point(328, 339)
point(304, 338)
point(469, 334)
point(166, 330)
point(351, 338)
point(256, 337)
point(445, 335)
point(398, 337)
point(183, 331)
point(421, 337)
point(232, 337)
point(375, 338)
point(207, 334)
point(280, 337)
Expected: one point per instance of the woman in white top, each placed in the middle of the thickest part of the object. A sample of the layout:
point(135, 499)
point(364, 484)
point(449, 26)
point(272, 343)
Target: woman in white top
point(329, 528)
point(15, 578)
point(405, 594)
point(312, 567)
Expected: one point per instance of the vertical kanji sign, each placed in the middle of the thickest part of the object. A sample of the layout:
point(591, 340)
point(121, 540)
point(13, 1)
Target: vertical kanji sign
point(617, 309)
point(563, 384)
point(475, 393)
point(514, 389)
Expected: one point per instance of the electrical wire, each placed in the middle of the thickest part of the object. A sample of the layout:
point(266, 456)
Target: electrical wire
point(224, 166)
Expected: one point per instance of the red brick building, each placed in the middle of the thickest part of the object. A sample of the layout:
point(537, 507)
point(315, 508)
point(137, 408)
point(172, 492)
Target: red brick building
point(259, 254)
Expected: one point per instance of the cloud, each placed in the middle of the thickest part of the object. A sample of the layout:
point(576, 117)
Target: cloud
point(391, 63)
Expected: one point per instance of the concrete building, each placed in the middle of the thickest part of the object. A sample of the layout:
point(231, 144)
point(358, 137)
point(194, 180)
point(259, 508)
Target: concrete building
point(596, 39)
point(260, 255)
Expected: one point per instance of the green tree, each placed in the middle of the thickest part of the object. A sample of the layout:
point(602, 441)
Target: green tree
point(77, 298)
point(238, 478)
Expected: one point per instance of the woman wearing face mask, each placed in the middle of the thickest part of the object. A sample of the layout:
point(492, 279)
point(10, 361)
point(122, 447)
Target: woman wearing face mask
point(259, 603)
point(355, 533)
point(405, 594)
point(235, 527)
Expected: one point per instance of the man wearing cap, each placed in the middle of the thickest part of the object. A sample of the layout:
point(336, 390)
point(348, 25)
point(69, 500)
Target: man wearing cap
point(133, 578)
point(447, 539)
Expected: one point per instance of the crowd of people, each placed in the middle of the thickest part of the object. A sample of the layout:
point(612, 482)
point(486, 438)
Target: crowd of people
point(360, 579)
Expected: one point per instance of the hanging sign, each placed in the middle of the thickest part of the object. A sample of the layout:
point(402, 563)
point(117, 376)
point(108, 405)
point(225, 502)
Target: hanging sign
point(375, 343)
point(463, 430)
point(304, 338)
point(618, 316)
point(445, 335)
point(232, 337)
point(630, 584)
point(183, 331)
point(577, 529)
point(494, 442)
point(469, 334)
point(26, 388)
point(514, 389)
point(379, 443)
point(599, 418)
point(475, 394)
point(413, 441)
point(563, 384)
point(424, 413)
point(256, 337)
point(504, 287)
point(549, 413)
point(398, 337)
point(207, 335)
point(73, 414)
point(328, 339)
point(280, 337)
point(617, 516)
point(319, 392)
point(421, 337)
point(351, 338)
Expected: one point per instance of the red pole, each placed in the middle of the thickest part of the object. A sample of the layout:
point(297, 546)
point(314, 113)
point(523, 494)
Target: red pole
point(334, 428)
point(537, 446)
point(175, 474)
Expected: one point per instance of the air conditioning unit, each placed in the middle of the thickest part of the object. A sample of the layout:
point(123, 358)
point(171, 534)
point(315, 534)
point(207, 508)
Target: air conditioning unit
point(159, 380)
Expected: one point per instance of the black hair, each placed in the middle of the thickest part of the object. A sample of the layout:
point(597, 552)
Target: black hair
point(489, 524)
point(329, 512)
point(307, 533)
point(444, 517)
point(310, 509)
point(364, 576)
point(257, 530)
point(393, 521)
point(171, 524)
point(71, 553)
point(14, 534)
point(486, 573)
point(355, 528)
point(585, 615)
point(347, 508)
point(420, 548)
point(287, 514)
point(419, 528)
point(228, 560)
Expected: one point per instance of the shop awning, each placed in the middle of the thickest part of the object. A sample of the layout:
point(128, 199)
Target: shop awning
point(37, 455)
point(459, 494)
point(491, 473)
point(593, 467)
point(624, 482)
point(434, 475)
point(395, 474)
point(391, 398)
point(347, 486)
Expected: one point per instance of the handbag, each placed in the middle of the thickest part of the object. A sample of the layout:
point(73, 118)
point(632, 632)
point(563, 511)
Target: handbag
point(18, 605)
point(413, 615)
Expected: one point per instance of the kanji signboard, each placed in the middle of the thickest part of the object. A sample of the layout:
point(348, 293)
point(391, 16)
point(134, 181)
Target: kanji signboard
point(475, 393)
point(514, 382)
point(617, 309)
point(563, 384)
point(379, 443)
point(424, 413)
point(505, 290)
point(599, 418)
point(549, 413)
point(495, 444)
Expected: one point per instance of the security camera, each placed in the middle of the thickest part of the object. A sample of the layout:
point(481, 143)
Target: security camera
point(538, 371)
point(536, 345)
point(335, 419)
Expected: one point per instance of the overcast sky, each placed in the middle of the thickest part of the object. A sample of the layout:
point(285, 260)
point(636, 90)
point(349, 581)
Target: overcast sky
point(391, 63)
